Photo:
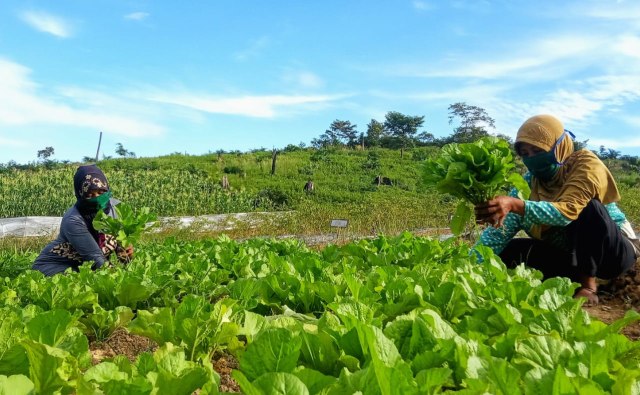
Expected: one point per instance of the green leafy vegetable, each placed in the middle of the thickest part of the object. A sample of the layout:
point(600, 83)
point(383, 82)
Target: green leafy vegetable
point(127, 226)
point(474, 172)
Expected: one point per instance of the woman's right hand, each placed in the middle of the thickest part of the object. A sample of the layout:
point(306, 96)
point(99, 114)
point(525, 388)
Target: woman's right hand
point(495, 210)
point(125, 255)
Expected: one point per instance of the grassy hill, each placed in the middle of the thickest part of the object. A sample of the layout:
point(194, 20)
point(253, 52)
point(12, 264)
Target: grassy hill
point(344, 187)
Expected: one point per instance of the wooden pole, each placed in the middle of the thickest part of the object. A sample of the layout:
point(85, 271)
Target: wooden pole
point(98, 151)
point(274, 155)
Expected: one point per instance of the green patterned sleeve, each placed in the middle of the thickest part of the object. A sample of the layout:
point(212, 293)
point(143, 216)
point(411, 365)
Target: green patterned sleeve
point(497, 239)
point(543, 213)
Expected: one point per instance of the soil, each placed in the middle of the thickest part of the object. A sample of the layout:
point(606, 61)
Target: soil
point(224, 363)
point(124, 343)
point(616, 298)
point(121, 342)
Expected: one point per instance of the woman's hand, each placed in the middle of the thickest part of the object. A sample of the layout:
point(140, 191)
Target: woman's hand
point(495, 210)
point(108, 244)
point(125, 254)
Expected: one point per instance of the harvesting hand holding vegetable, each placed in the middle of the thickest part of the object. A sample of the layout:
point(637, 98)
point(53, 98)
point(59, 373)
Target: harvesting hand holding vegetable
point(495, 210)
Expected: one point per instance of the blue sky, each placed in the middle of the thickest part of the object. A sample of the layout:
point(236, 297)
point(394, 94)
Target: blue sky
point(198, 76)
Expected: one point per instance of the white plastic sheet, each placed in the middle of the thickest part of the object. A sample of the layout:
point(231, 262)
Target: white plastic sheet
point(29, 226)
point(50, 226)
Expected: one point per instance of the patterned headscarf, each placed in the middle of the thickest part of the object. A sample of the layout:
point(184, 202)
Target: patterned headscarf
point(581, 177)
point(87, 179)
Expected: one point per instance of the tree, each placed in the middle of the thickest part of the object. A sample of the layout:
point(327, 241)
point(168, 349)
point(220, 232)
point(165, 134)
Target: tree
point(402, 128)
point(339, 133)
point(578, 145)
point(375, 132)
point(121, 151)
point(607, 153)
point(426, 138)
point(473, 122)
point(45, 154)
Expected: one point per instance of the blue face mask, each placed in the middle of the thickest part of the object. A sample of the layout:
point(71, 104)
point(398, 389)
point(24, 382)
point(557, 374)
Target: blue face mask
point(545, 165)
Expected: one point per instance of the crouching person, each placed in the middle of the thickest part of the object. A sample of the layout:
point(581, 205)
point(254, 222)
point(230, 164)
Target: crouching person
point(78, 241)
point(576, 228)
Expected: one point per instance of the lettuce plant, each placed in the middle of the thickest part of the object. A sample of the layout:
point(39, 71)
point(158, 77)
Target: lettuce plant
point(127, 226)
point(475, 173)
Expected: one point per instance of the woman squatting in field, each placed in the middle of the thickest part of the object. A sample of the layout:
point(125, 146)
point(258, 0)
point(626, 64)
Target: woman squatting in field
point(575, 226)
point(78, 241)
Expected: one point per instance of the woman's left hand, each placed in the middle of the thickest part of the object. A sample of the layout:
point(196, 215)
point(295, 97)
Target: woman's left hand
point(495, 210)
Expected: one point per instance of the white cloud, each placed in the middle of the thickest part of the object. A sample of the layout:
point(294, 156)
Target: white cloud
point(303, 79)
point(618, 143)
point(250, 106)
point(619, 11)
point(137, 16)
point(533, 60)
point(633, 121)
point(9, 142)
point(254, 49)
point(47, 23)
point(628, 45)
point(422, 5)
point(22, 102)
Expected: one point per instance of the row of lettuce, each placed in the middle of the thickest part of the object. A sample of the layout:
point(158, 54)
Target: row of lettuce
point(404, 315)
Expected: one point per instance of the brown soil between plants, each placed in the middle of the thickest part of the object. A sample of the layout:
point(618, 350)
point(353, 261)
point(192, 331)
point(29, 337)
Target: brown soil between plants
point(224, 364)
point(616, 298)
point(121, 342)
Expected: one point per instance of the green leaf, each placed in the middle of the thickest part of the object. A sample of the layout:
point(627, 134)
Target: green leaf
point(431, 381)
point(521, 185)
point(320, 352)
point(16, 385)
point(315, 381)
point(545, 352)
point(127, 226)
point(50, 368)
point(13, 358)
point(460, 218)
point(102, 323)
point(274, 350)
point(280, 383)
point(56, 328)
point(156, 324)
point(176, 375)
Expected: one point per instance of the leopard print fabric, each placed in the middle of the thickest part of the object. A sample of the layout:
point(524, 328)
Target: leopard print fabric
point(66, 250)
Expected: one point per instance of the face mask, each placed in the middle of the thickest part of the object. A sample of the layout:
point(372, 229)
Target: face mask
point(100, 202)
point(545, 165)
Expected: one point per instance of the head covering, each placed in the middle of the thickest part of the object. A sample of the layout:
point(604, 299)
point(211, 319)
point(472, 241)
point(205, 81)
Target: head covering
point(580, 178)
point(87, 179)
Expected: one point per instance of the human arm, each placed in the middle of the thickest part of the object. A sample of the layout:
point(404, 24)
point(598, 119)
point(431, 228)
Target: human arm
point(76, 232)
point(498, 238)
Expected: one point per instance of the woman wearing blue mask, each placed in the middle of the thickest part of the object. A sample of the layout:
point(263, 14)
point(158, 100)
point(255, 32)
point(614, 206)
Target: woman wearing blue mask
point(576, 229)
point(78, 241)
